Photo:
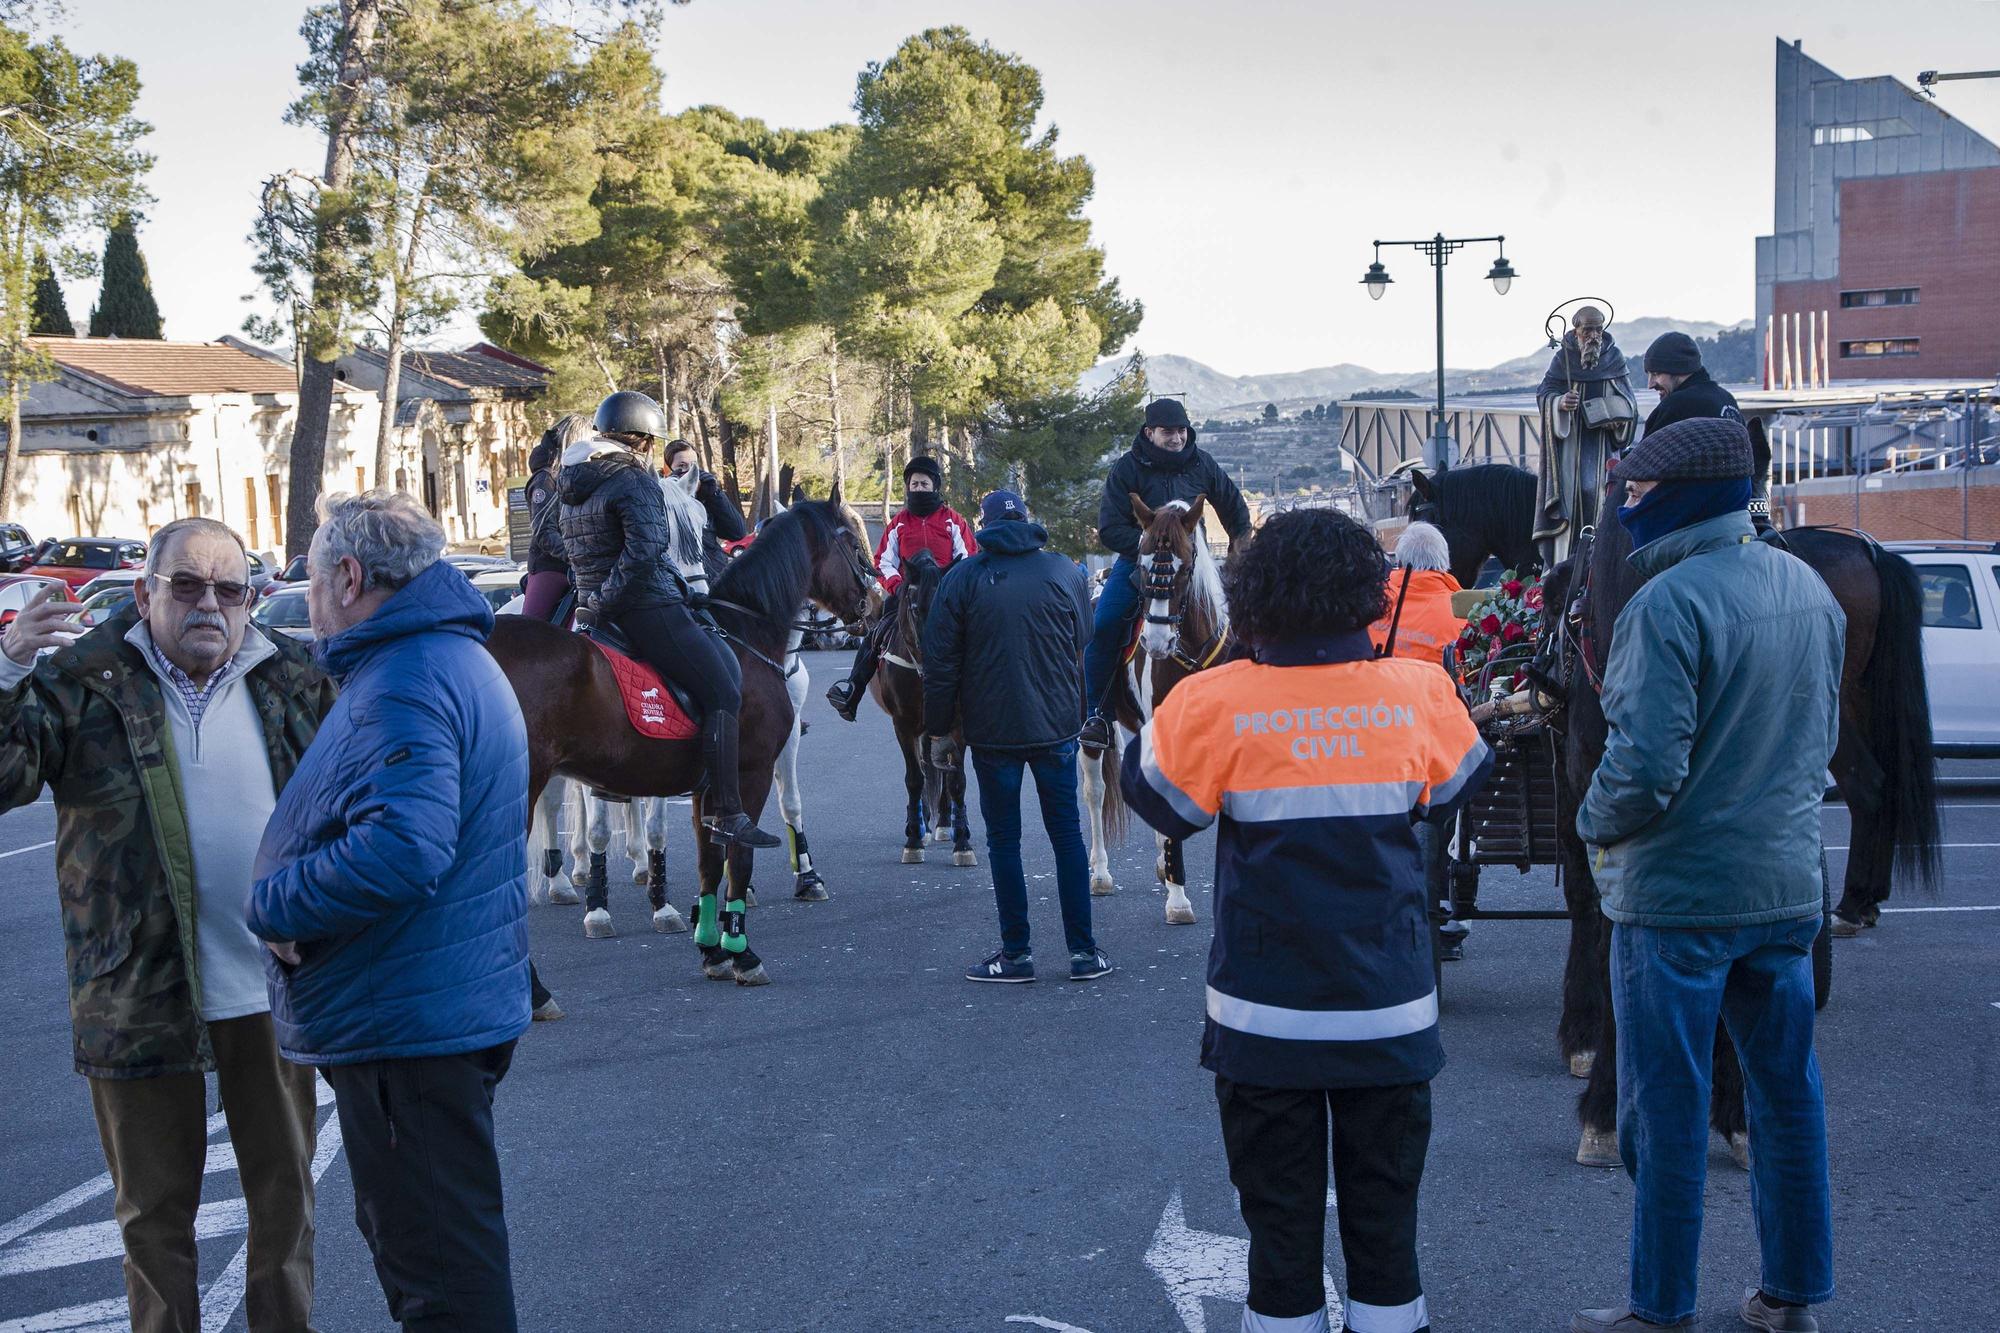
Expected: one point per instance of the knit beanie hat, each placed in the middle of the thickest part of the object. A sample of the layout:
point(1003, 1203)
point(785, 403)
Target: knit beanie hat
point(1673, 354)
point(1167, 412)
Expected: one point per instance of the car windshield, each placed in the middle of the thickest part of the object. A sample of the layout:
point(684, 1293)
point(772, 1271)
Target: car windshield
point(283, 612)
point(82, 555)
point(106, 604)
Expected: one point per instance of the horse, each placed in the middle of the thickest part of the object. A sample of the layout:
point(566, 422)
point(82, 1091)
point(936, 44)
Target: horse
point(1185, 630)
point(1882, 764)
point(578, 728)
point(1478, 509)
point(933, 795)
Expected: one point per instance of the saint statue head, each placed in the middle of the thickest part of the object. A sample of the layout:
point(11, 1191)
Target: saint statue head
point(1587, 329)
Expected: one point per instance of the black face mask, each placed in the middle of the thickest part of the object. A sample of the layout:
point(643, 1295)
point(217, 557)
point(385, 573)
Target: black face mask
point(924, 503)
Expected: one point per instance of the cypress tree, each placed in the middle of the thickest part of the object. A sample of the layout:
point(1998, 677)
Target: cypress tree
point(125, 305)
point(51, 314)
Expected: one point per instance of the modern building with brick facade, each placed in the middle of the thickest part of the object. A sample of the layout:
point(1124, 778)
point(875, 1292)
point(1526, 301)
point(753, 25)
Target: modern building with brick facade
point(1886, 242)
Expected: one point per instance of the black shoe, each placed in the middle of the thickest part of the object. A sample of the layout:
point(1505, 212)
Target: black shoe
point(1095, 737)
point(740, 828)
point(1088, 966)
point(846, 700)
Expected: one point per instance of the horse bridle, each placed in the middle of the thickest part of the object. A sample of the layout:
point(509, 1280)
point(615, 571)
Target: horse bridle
point(1159, 582)
point(864, 569)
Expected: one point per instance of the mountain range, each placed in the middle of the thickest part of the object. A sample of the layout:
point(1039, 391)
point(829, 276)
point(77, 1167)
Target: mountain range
point(1209, 392)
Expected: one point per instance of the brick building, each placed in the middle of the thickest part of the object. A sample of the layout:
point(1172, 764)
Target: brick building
point(1885, 251)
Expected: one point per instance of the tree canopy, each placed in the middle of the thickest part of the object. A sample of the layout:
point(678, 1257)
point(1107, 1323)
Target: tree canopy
point(125, 306)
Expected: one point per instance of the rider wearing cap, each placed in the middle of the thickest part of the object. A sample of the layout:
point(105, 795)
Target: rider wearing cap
point(1161, 466)
point(614, 528)
point(924, 523)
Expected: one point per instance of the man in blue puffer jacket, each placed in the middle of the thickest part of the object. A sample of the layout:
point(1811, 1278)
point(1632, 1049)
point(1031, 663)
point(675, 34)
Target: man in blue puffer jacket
point(391, 888)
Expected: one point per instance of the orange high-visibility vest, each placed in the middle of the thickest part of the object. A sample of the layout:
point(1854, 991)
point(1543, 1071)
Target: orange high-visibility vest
point(1428, 623)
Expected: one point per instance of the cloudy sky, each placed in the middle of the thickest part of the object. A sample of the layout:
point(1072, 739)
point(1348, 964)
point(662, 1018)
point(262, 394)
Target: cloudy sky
point(1246, 152)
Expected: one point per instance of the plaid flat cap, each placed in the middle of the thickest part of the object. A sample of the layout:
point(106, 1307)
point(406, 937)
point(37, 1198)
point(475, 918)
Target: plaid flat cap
point(1698, 449)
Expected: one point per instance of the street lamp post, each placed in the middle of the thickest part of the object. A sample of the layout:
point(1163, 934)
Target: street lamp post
point(1438, 249)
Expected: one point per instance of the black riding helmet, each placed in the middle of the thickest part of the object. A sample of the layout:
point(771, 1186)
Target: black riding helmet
point(927, 465)
point(628, 413)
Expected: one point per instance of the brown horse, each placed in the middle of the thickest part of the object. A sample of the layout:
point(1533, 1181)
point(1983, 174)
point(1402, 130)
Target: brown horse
point(577, 726)
point(1185, 630)
point(934, 796)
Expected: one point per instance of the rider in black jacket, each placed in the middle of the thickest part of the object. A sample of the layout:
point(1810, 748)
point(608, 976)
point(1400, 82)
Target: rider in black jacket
point(614, 527)
point(1675, 372)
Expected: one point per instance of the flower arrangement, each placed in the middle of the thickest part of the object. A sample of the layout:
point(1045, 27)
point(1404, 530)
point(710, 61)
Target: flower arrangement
point(1508, 615)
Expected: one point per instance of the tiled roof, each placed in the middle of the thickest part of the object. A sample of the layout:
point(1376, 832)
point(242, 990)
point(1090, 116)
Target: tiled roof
point(146, 368)
point(465, 370)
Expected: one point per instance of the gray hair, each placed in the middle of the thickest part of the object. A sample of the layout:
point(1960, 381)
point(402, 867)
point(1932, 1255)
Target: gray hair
point(387, 533)
point(1422, 546)
point(572, 428)
point(164, 540)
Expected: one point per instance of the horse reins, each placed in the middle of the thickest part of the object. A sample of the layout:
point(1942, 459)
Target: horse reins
point(1159, 585)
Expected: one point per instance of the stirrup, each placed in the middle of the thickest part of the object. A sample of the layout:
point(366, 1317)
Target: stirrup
point(846, 700)
point(1096, 734)
point(738, 827)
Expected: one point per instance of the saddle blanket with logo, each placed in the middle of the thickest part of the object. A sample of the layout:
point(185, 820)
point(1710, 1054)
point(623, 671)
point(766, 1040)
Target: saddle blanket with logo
point(649, 704)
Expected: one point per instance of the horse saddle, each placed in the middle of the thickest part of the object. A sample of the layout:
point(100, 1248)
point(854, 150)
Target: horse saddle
point(656, 706)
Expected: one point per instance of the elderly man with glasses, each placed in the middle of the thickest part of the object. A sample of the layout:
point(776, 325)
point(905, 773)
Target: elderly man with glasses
point(165, 736)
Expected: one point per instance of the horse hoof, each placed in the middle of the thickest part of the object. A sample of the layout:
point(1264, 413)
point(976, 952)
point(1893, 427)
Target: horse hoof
point(1843, 929)
point(719, 970)
point(940, 835)
point(1739, 1149)
point(579, 874)
point(1598, 1147)
point(756, 976)
point(810, 891)
point(1580, 1063)
point(967, 857)
point(548, 1011)
point(749, 896)
point(1180, 916)
point(641, 875)
point(667, 921)
point(597, 925)
point(913, 856)
point(562, 895)
point(1101, 886)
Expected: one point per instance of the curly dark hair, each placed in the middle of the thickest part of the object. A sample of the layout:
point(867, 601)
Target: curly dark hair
point(1307, 571)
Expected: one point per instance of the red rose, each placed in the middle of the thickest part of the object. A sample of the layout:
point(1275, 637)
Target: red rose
point(1512, 587)
point(1512, 633)
point(1533, 601)
point(1490, 625)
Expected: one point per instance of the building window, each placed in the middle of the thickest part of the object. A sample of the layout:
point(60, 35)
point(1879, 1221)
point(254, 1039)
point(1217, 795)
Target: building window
point(1879, 347)
point(1861, 131)
point(1877, 296)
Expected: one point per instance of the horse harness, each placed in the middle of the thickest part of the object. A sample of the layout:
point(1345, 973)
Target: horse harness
point(1159, 585)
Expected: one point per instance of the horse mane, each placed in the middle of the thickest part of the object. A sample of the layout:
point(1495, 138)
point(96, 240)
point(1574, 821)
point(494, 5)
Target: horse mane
point(772, 574)
point(1205, 595)
point(1495, 497)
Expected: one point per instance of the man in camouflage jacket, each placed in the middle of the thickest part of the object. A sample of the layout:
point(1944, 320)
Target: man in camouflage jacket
point(95, 722)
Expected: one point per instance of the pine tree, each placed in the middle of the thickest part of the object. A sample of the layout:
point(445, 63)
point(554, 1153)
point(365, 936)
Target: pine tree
point(125, 306)
point(51, 314)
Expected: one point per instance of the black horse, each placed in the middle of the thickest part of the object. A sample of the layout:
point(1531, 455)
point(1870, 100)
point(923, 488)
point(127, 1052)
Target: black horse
point(1882, 764)
point(1479, 510)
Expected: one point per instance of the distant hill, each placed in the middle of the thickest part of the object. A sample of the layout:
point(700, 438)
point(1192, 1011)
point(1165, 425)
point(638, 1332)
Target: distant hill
point(1209, 392)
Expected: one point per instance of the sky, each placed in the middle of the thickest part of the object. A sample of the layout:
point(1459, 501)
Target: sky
point(1246, 153)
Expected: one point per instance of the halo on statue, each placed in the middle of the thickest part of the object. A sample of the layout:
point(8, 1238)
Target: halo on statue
point(1557, 324)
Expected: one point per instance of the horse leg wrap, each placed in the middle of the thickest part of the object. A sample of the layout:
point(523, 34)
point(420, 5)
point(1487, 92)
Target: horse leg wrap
point(656, 878)
point(802, 861)
point(707, 933)
point(598, 894)
point(551, 862)
point(733, 938)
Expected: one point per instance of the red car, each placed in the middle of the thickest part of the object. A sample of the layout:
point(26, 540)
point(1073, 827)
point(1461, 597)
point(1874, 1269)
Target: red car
point(17, 589)
point(81, 559)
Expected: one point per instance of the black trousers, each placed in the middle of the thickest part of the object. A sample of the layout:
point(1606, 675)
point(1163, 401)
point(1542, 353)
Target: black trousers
point(419, 1140)
point(690, 654)
point(1276, 1139)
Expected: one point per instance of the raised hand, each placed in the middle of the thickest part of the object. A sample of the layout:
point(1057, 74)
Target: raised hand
point(42, 623)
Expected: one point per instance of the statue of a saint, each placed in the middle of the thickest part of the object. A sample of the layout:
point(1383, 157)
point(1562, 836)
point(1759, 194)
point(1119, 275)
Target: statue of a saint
point(1588, 413)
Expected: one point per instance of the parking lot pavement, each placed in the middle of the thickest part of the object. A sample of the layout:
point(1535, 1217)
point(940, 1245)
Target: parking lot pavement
point(872, 1144)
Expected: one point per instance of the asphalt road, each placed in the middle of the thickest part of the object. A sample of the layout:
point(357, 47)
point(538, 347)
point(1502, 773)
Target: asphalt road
point(871, 1143)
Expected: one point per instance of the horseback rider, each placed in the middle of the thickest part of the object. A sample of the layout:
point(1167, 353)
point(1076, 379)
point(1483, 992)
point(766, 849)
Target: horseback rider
point(927, 523)
point(547, 582)
point(614, 527)
point(1162, 466)
point(725, 520)
point(1674, 371)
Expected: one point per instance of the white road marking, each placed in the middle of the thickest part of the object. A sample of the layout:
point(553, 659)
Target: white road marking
point(1197, 1265)
point(99, 1240)
point(219, 1302)
point(1944, 846)
point(73, 1317)
point(23, 851)
point(1982, 907)
point(1034, 1319)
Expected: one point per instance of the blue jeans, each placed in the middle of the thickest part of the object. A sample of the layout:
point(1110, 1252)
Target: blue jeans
point(999, 774)
point(1116, 606)
point(1667, 989)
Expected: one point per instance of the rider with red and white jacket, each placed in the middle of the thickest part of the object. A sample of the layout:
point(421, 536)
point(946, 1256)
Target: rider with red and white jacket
point(924, 523)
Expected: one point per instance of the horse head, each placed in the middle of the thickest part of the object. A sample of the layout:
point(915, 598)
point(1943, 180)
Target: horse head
point(1177, 575)
point(921, 576)
point(842, 573)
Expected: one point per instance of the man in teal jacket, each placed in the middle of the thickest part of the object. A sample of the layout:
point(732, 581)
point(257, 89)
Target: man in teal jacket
point(1722, 696)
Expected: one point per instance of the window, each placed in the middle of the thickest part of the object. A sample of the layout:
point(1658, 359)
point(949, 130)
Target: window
point(1948, 602)
point(1861, 131)
point(1879, 347)
point(1877, 296)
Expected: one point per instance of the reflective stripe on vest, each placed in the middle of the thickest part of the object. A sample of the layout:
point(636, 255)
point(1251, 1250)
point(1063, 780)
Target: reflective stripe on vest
point(1270, 1020)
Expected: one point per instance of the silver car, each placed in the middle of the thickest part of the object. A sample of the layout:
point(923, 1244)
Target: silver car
point(1961, 585)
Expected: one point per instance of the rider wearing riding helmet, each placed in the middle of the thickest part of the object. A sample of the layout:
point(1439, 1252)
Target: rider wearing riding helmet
point(725, 520)
point(547, 581)
point(924, 523)
point(614, 526)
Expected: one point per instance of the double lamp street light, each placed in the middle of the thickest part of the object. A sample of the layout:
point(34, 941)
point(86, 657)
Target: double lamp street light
point(1438, 249)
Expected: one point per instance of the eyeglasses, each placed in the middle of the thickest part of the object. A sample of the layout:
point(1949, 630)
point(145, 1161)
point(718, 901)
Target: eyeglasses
point(187, 588)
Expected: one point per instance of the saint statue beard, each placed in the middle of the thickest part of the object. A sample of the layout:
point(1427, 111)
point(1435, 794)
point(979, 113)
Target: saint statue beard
point(1592, 348)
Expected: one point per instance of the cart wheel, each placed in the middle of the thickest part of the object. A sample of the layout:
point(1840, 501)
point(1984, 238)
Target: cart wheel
point(1822, 949)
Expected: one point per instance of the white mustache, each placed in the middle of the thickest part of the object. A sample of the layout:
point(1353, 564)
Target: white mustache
point(203, 620)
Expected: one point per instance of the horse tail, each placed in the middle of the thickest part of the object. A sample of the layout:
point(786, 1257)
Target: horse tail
point(1117, 819)
point(1899, 721)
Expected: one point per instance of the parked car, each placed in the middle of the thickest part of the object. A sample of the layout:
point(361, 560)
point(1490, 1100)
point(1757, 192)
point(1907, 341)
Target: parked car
point(497, 586)
point(283, 611)
point(78, 560)
point(17, 548)
point(293, 572)
point(114, 578)
point(1961, 583)
point(478, 564)
point(261, 573)
point(17, 589)
point(107, 602)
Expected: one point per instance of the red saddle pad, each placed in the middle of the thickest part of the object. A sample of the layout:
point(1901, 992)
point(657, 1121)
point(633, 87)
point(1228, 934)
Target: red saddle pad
point(647, 702)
